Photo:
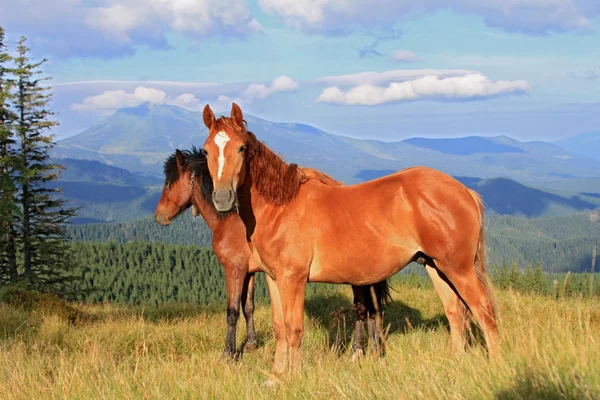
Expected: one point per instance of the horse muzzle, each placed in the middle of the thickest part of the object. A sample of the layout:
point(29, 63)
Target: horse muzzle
point(162, 219)
point(224, 199)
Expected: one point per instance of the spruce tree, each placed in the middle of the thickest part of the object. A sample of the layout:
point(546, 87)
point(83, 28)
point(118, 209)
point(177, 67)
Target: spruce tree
point(8, 188)
point(46, 257)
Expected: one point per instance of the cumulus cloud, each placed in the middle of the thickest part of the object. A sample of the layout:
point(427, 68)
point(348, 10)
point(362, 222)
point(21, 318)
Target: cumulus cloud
point(431, 87)
point(260, 91)
point(526, 16)
point(404, 56)
point(378, 78)
point(109, 28)
point(111, 100)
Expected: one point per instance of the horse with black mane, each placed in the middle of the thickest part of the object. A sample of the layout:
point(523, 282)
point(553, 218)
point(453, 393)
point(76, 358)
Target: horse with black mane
point(188, 184)
point(304, 229)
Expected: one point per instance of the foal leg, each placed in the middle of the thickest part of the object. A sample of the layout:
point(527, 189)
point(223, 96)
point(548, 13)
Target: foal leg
point(358, 345)
point(278, 328)
point(475, 295)
point(248, 309)
point(292, 291)
point(455, 309)
point(234, 279)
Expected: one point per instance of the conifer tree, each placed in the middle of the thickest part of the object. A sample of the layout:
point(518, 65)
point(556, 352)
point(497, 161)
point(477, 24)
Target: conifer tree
point(46, 256)
point(8, 188)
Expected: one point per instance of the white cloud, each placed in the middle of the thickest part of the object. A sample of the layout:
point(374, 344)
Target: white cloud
point(261, 91)
point(199, 18)
point(187, 100)
point(111, 100)
point(375, 78)
point(431, 87)
point(111, 28)
point(404, 56)
point(527, 16)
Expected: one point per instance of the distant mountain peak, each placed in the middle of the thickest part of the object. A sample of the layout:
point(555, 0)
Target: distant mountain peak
point(586, 144)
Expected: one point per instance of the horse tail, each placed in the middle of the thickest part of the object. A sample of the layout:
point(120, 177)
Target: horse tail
point(480, 268)
point(382, 294)
point(382, 291)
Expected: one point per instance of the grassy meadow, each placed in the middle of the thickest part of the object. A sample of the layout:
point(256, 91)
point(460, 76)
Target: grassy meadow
point(54, 350)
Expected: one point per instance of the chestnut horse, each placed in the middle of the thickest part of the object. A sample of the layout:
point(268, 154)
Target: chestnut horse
point(188, 184)
point(306, 230)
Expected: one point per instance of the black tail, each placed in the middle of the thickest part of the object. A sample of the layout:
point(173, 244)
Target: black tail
point(382, 292)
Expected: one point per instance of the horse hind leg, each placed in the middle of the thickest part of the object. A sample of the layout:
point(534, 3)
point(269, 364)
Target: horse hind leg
point(475, 292)
point(359, 343)
point(456, 311)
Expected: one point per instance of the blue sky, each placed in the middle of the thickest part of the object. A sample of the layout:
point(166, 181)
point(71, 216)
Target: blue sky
point(385, 69)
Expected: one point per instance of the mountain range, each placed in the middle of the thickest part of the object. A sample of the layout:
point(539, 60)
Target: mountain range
point(108, 193)
point(586, 144)
point(139, 139)
point(114, 169)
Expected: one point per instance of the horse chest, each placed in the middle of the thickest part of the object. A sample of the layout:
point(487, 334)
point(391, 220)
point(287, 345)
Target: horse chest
point(280, 251)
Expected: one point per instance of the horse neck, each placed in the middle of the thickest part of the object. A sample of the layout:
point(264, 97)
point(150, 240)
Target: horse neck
point(272, 179)
point(254, 204)
point(204, 207)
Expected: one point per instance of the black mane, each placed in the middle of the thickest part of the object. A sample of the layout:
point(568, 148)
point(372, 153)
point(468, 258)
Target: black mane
point(195, 162)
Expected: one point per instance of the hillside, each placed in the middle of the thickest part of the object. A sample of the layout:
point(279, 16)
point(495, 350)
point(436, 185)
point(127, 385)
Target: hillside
point(585, 144)
point(560, 243)
point(139, 139)
point(508, 197)
point(133, 196)
point(98, 172)
point(106, 193)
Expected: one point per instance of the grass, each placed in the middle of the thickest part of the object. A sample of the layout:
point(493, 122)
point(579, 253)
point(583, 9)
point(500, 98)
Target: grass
point(550, 349)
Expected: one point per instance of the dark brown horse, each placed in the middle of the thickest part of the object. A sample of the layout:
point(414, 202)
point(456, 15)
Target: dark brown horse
point(188, 183)
point(303, 229)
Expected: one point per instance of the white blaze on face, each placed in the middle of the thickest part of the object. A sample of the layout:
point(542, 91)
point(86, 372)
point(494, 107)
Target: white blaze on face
point(221, 140)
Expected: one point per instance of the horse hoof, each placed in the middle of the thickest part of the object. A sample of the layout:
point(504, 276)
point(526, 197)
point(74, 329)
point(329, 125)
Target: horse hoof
point(357, 355)
point(250, 346)
point(271, 382)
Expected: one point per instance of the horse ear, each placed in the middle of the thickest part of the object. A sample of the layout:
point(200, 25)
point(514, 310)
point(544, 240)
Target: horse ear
point(209, 116)
point(236, 114)
point(180, 159)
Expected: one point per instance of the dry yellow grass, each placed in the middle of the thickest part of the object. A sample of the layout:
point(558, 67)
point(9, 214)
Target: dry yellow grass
point(550, 349)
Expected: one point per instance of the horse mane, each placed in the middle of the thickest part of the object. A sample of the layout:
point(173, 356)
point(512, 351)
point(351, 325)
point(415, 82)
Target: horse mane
point(195, 162)
point(313, 174)
point(277, 181)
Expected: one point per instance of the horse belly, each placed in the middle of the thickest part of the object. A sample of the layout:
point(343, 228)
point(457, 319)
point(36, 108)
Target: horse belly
point(362, 267)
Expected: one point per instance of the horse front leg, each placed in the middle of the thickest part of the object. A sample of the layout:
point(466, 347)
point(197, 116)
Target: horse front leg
point(248, 309)
point(292, 291)
point(234, 278)
point(280, 362)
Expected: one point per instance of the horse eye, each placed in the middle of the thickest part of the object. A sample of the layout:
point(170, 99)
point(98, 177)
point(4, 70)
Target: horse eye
point(203, 151)
point(242, 148)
